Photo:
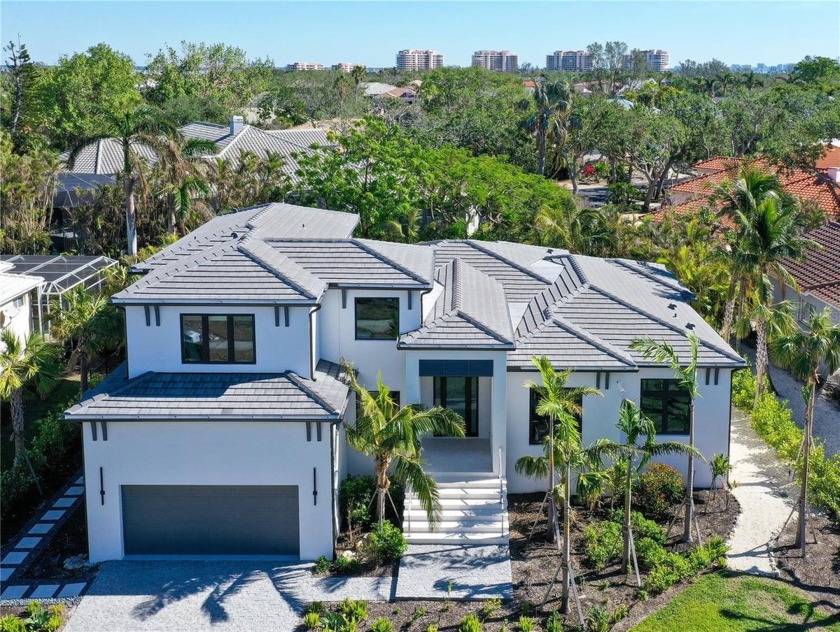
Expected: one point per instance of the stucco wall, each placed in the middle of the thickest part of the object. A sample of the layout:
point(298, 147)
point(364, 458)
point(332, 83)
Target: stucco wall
point(18, 319)
point(206, 453)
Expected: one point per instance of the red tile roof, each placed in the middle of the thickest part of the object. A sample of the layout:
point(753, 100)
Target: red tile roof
point(717, 163)
point(819, 272)
point(830, 159)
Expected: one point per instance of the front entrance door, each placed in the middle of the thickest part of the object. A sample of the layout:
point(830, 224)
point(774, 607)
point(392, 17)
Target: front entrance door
point(460, 395)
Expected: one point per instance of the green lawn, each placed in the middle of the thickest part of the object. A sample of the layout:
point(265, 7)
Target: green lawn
point(731, 603)
point(35, 408)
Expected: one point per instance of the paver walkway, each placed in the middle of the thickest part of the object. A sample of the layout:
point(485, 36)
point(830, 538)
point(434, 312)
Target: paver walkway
point(220, 595)
point(455, 571)
point(763, 488)
point(29, 542)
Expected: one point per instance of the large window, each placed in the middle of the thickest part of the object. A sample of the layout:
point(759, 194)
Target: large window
point(460, 395)
point(377, 318)
point(217, 338)
point(538, 424)
point(667, 404)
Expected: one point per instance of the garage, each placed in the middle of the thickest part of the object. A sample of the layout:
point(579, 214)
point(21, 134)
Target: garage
point(210, 520)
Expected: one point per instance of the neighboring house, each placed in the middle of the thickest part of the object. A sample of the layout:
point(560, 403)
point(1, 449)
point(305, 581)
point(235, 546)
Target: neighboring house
point(223, 433)
point(19, 302)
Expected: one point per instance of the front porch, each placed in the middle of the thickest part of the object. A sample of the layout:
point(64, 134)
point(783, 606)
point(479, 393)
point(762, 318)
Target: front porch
point(450, 455)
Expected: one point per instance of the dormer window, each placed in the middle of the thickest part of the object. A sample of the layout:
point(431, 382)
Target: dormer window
point(217, 339)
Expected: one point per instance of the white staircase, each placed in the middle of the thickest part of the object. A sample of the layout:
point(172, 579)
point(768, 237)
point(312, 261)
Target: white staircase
point(474, 512)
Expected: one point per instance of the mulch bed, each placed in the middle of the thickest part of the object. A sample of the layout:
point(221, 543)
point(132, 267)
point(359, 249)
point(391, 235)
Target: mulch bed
point(819, 572)
point(416, 616)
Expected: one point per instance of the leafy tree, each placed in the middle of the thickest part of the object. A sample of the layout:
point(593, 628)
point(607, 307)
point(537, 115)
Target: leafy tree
point(391, 435)
point(25, 363)
point(562, 449)
point(282, 103)
point(656, 142)
point(552, 101)
point(816, 69)
point(805, 352)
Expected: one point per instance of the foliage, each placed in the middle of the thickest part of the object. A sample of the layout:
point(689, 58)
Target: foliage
point(312, 620)
point(322, 565)
point(346, 566)
point(382, 625)
point(743, 389)
point(601, 619)
point(37, 619)
point(490, 607)
point(527, 624)
point(354, 610)
point(554, 623)
point(658, 489)
point(387, 543)
point(602, 540)
point(471, 623)
point(355, 497)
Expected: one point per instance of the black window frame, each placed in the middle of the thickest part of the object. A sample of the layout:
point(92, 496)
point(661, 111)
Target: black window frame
point(395, 299)
point(205, 339)
point(537, 435)
point(439, 398)
point(665, 395)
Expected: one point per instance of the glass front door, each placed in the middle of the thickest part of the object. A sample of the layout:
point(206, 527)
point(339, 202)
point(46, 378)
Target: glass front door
point(460, 395)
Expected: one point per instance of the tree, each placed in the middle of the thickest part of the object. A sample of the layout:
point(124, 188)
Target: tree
point(186, 177)
point(23, 364)
point(90, 325)
point(142, 125)
point(633, 426)
point(391, 435)
point(562, 448)
point(23, 75)
point(358, 74)
point(804, 353)
point(686, 375)
point(552, 102)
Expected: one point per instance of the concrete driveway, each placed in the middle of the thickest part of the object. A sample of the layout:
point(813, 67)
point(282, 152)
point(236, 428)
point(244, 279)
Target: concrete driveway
point(220, 595)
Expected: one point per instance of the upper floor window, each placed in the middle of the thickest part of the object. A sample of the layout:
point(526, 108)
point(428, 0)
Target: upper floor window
point(18, 302)
point(667, 404)
point(377, 318)
point(538, 424)
point(217, 338)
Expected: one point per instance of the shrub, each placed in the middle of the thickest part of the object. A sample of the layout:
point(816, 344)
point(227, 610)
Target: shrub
point(744, 384)
point(527, 624)
point(554, 622)
point(346, 566)
point(355, 610)
point(602, 541)
point(387, 543)
point(322, 565)
point(312, 620)
point(491, 607)
point(597, 619)
point(649, 553)
point(672, 569)
point(658, 489)
point(470, 623)
point(10, 623)
point(315, 606)
point(382, 625)
point(355, 496)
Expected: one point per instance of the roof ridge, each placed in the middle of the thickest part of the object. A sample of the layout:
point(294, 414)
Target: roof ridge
point(592, 339)
point(372, 251)
point(244, 246)
point(457, 293)
point(298, 381)
point(488, 330)
point(639, 267)
point(474, 244)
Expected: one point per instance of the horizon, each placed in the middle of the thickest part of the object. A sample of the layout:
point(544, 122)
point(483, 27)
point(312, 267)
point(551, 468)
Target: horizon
point(371, 33)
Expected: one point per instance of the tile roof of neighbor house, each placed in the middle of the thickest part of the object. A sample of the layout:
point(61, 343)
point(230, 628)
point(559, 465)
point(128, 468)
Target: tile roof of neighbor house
point(831, 158)
point(819, 272)
point(105, 157)
point(216, 396)
point(470, 312)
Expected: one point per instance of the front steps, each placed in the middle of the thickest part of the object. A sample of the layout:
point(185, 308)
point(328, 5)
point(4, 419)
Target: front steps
point(474, 511)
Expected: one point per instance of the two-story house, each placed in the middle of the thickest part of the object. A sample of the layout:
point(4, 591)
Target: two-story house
point(223, 432)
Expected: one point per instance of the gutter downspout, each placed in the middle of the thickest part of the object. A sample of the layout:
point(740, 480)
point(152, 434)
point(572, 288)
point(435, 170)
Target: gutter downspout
point(312, 342)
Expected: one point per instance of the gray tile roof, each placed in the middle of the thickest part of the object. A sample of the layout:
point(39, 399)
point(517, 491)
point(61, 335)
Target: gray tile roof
point(471, 312)
point(105, 157)
point(520, 283)
point(360, 262)
point(304, 138)
point(216, 396)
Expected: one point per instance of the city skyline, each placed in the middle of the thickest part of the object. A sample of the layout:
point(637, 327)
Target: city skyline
point(370, 32)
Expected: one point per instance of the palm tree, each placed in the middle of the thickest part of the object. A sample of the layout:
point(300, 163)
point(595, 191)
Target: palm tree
point(91, 325)
point(391, 434)
point(686, 376)
point(562, 448)
point(553, 101)
point(23, 364)
point(720, 467)
point(186, 177)
point(633, 425)
point(579, 229)
point(358, 74)
point(143, 125)
point(803, 353)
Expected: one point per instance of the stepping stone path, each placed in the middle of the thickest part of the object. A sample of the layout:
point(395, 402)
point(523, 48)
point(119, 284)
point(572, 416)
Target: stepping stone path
point(13, 589)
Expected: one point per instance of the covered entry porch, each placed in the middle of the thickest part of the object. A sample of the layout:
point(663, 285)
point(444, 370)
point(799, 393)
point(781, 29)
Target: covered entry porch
point(452, 455)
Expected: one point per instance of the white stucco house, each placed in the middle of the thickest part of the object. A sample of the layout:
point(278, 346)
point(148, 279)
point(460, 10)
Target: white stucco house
point(222, 434)
point(19, 300)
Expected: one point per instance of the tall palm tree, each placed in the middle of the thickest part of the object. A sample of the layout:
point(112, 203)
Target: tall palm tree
point(33, 362)
point(91, 325)
point(391, 435)
point(581, 230)
point(804, 352)
point(358, 74)
point(552, 101)
point(686, 376)
point(142, 125)
point(186, 177)
point(562, 448)
point(635, 456)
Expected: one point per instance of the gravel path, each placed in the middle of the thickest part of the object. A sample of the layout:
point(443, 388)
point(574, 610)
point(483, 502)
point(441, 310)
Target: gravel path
point(762, 486)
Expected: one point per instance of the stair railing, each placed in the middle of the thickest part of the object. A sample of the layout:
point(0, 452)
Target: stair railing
point(502, 495)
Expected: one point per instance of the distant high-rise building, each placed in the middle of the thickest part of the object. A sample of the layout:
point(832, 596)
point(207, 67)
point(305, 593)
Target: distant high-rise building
point(413, 59)
point(305, 65)
point(344, 66)
point(498, 60)
point(569, 60)
point(656, 60)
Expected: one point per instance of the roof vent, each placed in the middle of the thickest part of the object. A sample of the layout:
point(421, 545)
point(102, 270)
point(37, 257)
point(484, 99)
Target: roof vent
point(672, 306)
point(690, 326)
point(234, 235)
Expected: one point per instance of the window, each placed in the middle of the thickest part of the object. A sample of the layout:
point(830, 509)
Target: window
point(18, 302)
point(538, 424)
point(667, 404)
point(216, 338)
point(377, 318)
point(460, 395)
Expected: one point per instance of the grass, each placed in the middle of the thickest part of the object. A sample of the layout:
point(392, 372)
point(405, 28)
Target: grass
point(729, 602)
point(35, 408)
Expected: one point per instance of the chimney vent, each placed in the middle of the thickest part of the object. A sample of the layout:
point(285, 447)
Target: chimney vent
point(236, 124)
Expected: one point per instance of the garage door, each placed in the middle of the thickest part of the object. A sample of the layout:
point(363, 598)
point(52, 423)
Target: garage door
point(210, 520)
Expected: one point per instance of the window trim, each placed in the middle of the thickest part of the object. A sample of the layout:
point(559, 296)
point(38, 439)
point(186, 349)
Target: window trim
point(205, 343)
point(356, 317)
point(468, 398)
point(534, 417)
point(665, 395)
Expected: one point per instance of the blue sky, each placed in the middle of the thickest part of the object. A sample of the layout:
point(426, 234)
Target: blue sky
point(371, 32)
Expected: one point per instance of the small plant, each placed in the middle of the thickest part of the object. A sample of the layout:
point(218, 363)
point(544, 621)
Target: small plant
point(387, 543)
point(355, 610)
point(432, 627)
point(10, 623)
point(334, 622)
point(527, 624)
point(312, 621)
point(418, 614)
point(382, 625)
point(39, 619)
point(315, 606)
point(527, 608)
point(471, 623)
point(554, 622)
point(490, 607)
point(598, 619)
point(347, 566)
point(658, 489)
point(721, 467)
point(322, 566)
